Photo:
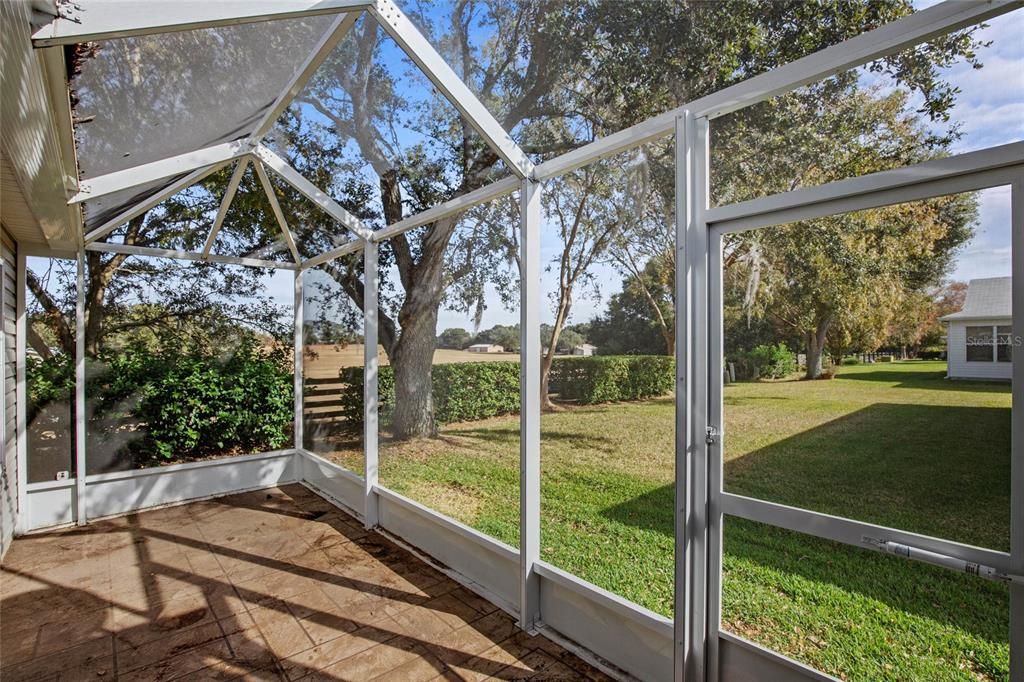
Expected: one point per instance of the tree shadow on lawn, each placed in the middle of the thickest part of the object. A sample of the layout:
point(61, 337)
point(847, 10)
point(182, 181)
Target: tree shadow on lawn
point(941, 595)
point(937, 470)
point(936, 381)
point(509, 437)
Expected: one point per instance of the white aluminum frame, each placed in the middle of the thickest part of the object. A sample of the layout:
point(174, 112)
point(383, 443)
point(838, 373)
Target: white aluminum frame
point(140, 208)
point(225, 203)
point(102, 185)
point(529, 401)
point(311, 191)
point(90, 20)
point(691, 523)
point(371, 450)
point(275, 207)
point(418, 48)
point(972, 171)
point(699, 651)
point(189, 255)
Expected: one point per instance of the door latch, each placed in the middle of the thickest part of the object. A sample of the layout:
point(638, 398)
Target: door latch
point(711, 435)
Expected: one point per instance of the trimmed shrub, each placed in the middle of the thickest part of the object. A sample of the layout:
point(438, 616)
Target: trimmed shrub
point(465, 391)
point(852, 360)
point(884, 358)
point(773, 361)
point(478, 390)
point(602, 379)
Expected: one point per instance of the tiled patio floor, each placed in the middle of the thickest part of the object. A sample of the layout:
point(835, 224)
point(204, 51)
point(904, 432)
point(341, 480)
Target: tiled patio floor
point(275, 584)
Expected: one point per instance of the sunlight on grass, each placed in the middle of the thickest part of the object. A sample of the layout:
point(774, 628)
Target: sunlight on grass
point(895, 445)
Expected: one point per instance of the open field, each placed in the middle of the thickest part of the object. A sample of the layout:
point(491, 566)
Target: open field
point(891, 444)
point(322, 361)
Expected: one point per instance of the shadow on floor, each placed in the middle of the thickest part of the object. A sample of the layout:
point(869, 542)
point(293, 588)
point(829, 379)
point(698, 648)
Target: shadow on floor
point(267, 585)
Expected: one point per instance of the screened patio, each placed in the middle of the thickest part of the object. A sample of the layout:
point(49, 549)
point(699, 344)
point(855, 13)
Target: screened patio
point(126, 106)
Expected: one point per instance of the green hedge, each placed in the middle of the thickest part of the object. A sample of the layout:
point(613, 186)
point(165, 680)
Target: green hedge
point(479, 390)
point(614, 378)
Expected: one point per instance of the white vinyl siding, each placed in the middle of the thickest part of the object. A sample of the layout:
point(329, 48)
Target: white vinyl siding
point(9, 464)
point(959, 365)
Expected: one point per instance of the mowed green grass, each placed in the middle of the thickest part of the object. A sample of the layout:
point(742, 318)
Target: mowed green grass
point(896, 445)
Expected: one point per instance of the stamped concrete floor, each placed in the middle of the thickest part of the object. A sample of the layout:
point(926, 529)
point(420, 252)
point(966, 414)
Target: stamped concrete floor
point(270, 585)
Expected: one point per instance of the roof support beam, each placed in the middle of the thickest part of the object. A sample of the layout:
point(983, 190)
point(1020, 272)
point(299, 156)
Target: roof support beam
point(89, 20)
point(275, 206)
point(433, 65)
point(102, 185)
point(348, 247)
point(296, 180)
point(140, 208)
point(810, 202)
point(133, 250)
point(456, 205)
point(334, 35)
point(225, 203)
point(903, 33)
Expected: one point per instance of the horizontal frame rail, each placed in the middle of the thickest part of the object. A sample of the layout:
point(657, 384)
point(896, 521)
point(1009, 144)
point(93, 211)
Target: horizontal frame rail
point(823, 200)
point(132, 250)
point(867, 47)
point(478, 196)
point(850, 532)
point(102, 185)
point(351, 246)
point(89, 20)
point(140, 208)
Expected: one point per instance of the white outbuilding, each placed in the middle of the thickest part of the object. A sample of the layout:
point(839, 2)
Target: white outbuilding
point(980, 337)
point(486, 348)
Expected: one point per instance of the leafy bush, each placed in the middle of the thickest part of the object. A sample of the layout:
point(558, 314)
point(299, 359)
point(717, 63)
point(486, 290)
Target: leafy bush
point(851, 361)
point(773, 361)
point(600, 379)
point(883, 358)
point(47, 381)
point(184, 403)
point(200, 403)
point(479, 390)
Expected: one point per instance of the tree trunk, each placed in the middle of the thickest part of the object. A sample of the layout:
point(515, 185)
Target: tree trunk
point(412, 363)
point(549, 357)
point(816, 348)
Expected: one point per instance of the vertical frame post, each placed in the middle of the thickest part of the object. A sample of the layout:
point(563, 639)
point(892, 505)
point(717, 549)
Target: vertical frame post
point(691, 399)
point(21, 393)
point(529, 400)
point(716, 420)
point(298, 348)
point(371, 285)
point(1017, 430)
point(80, 467)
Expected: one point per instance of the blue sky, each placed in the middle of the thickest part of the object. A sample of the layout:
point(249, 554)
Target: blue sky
point(991, 108)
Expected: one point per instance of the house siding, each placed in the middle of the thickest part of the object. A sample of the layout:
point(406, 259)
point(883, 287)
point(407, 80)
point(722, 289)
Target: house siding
point(9, 463)
point(959, 368)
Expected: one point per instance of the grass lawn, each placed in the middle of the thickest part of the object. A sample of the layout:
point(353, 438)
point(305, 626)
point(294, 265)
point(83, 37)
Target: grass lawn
point(891, 444)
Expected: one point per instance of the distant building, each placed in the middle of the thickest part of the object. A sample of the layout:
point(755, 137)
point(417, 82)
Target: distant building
point(586, 350)
point(980, 340)
point(486, 348)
